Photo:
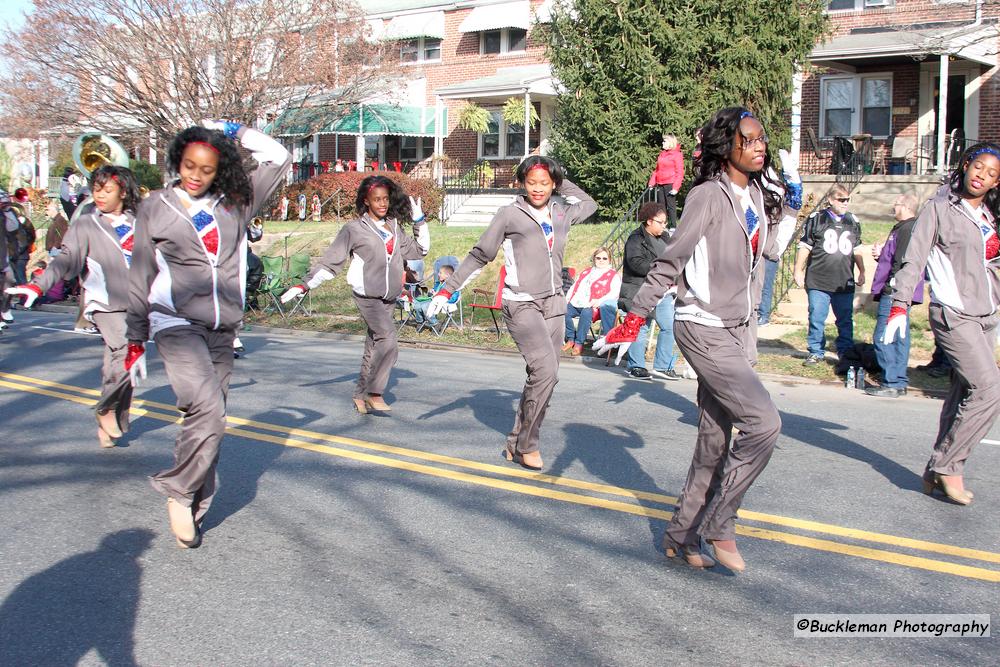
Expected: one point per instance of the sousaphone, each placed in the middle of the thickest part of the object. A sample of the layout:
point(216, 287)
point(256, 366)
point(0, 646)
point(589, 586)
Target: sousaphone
point(91, 151)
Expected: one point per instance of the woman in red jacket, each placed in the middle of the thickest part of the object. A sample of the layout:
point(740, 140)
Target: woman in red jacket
point(668, 176)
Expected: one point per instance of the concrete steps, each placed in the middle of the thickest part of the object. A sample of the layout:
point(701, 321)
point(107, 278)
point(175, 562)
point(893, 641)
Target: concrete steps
point(477, 210)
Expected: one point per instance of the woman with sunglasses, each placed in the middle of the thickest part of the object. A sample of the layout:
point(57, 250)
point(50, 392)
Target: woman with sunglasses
point(732, 219)
point(595, 292)
point(824, 265)
point(955, 237)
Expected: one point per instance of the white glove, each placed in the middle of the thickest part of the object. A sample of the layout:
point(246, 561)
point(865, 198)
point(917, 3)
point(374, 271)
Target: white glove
point(418, 213)
point(896, 324)
point(29, 292)
point(135, 363)
point(437, 305)
point(294, 292)
point(213, 124)
point(602, 347)
point(789, 166)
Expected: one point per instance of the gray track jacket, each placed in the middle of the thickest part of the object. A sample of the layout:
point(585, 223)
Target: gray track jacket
point(948, 239)
point(531, 267)
point(710, 259)
point(174, 280)
point(91, 244)
point(371, 273)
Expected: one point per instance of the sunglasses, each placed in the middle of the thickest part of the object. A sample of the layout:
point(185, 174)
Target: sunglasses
point(842, 200)
point(601, 257)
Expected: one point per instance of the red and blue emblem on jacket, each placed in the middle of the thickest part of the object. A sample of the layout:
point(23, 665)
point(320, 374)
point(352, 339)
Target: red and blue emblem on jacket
point(208, 231)
point(126, 233)
point(991, 242)
point(549, 234)
point(753, 228)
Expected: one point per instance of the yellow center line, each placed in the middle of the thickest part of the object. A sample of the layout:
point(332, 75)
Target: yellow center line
point(752, 531)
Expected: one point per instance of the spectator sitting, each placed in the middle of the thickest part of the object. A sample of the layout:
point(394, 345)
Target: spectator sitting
point(420, 303)
point(596, 289)
point(824, 265)
point(893, 357)
point(642, 247)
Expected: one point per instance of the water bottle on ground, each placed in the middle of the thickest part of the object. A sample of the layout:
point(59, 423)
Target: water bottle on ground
point(849, 381)
point(859, 378)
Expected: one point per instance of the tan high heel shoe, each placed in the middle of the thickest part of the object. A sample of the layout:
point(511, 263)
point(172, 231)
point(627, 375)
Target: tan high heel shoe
point(960, 496)
point(182, 525)
point(728, 555)
point(376, 403)
point(692, 553)
point(567, 346)
point(108, 422)
point(359, 405)
point(530, 460)
point(103, 439)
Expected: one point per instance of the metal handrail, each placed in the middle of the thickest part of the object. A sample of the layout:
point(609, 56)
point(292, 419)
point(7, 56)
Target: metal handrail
point(615, 240)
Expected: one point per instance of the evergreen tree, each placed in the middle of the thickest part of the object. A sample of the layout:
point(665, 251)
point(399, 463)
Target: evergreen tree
point(633, 70)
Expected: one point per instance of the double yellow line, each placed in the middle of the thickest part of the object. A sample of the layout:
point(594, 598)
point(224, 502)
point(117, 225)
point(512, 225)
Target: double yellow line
point(564, 489)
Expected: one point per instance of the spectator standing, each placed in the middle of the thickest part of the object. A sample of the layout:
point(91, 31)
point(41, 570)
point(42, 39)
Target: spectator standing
point(668, 176)
point(824, 265)
point(642, 248)
point(893, 357)
point(57, 228)
point(596, 289)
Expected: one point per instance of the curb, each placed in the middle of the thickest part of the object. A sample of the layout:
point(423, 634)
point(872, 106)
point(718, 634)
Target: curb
point(431, 345)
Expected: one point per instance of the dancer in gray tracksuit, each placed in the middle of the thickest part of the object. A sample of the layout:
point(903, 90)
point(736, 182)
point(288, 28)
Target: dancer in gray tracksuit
point(730, 223)
point(99, 245)
point(532, 232)
point(955, 236)
point(187, 291)
point(376, 245)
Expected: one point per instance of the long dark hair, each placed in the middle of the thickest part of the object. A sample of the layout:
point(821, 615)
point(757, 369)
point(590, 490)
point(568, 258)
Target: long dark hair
point(718, 138)
point(124, 178)
point(532, 161)
point(399, 203)
point(230, 179)
point(957, 182)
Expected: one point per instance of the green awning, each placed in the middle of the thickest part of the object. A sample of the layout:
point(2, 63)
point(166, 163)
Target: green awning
point(363, 119)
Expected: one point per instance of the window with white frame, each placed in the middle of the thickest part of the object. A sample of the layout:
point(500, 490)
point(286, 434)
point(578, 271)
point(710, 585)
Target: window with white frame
point(859, 104)
point(420, 50)
point(505, 40)
point(503, 140)
point(857, 5)
point(415, 148)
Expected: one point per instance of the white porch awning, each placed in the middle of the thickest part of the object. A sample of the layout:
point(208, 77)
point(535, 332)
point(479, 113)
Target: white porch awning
point(974, 43)
point(411, 26)
point(493, 17)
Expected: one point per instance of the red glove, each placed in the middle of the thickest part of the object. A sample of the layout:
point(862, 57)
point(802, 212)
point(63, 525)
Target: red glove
point(896, 325)
point(627, 331)
point(30, 292)
point(135, 362)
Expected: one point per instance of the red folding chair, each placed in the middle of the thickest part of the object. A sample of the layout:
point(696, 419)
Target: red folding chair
point(494, 305)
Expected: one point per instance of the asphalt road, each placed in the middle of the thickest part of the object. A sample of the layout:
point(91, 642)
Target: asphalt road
point(405, 539)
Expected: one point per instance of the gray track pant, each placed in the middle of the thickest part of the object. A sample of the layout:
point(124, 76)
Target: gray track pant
point(729, 394)
point(199, 363)
point(973, 402)
point(381, 345)
point(116, 387)
point(537, 328)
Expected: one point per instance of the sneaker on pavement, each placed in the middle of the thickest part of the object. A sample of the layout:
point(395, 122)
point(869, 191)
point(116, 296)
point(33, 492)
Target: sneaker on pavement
point(812, 360)
point(638, 373)
point(7, 317)
point(85, 330)
point(670, 374)
point(886, 392)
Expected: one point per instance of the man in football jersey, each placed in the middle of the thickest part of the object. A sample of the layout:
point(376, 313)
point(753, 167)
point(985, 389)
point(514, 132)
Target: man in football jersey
point(824, 265)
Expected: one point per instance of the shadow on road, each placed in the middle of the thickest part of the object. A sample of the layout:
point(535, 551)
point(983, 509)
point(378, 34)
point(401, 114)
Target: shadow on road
point(493, 408)
point(88, 601)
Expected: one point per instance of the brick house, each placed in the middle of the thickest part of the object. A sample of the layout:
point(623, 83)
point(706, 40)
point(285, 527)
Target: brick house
point(876, 82)
point(452, 52)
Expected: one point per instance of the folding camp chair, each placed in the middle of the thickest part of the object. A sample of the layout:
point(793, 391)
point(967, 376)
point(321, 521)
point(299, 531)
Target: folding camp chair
point(493, 305)
point(298, 269)
point(452, 308)
point(268, 293)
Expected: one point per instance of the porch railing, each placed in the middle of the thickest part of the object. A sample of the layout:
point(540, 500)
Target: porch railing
point(615, 240)
point(461, 183)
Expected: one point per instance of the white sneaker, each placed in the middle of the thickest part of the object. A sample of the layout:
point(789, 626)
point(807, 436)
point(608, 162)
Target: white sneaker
point(689, 374)
point(7, 317)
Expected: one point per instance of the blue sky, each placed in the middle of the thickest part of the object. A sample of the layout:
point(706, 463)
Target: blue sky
point(12, 10)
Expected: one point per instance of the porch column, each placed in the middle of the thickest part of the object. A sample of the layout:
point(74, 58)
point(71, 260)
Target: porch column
point(527, 120)
point(942, 112)
point(43, 163)
point(796, 119)
point(439, 131)
point(152, 147)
